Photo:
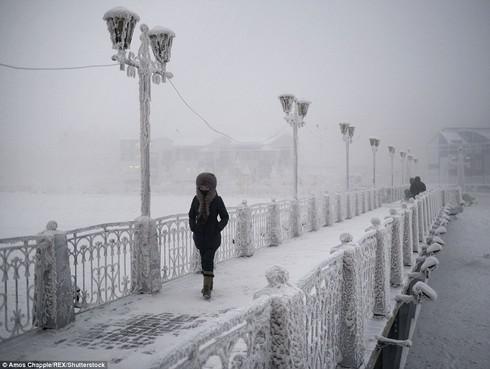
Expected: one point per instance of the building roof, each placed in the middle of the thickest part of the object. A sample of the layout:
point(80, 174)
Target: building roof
point(463, 136)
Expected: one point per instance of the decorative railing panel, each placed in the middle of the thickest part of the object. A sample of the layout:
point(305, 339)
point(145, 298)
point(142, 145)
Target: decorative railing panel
point(304, 205)
point(260, 231)
point(100, 262)
point(285, 217)
point(323, 290)
point(240, 341)
point(366, 261)
point(18, 257)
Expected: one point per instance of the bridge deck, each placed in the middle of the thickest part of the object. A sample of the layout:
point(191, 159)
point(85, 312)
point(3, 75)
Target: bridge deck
point(138, 330)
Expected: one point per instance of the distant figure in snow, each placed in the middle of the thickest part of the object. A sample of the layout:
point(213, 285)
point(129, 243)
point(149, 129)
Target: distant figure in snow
point(417, 186)
point(203, 221)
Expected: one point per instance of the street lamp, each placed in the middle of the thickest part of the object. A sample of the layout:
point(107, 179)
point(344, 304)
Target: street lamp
point(374, 142)
point(295, 111)
point(347, 132)
point(391, 151)
point(409, 165)
point(415, 166)
point(403, 155)
point(121, 24)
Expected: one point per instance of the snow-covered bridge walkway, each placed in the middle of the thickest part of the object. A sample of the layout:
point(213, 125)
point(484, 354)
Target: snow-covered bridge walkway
point(135, 331)
point(176, 328)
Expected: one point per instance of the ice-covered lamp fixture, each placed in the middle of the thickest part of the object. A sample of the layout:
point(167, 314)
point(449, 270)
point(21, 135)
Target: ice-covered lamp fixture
point(121, 23)
point(391, 150)
point(351, 130)
point(287, 102)
point(302, 107)
point(161, 43)
point(403, 154)
point(344, 128)
point(374, 142)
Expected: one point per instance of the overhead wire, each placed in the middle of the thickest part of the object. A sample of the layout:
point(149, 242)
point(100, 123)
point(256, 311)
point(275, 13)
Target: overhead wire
point(181, 97)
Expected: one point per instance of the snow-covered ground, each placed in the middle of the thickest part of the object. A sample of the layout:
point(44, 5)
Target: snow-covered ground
point(454, 332)
point(23, 213)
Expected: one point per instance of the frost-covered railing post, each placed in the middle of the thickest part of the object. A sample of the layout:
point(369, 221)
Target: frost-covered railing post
point(369, 200)
point(415, 224)
point(338, 206)
point(274, 224)
point(348, 208)
point(244, 242)
point(420, 216)
point(357, 204)
point(396, 276)
point(352, 328)
point(146, 257)
point(363, 201)
point(288, 326)
point(295, 218)
point(53, 292)
point(407, 236)
point(327, 210)
point(382, 268)
point(313, 213)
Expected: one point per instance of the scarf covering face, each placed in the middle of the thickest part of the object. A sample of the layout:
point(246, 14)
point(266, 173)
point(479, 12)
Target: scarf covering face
point(205, 180)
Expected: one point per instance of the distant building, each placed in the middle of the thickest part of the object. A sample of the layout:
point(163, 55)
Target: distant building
point(443, 155)
point(179, 161)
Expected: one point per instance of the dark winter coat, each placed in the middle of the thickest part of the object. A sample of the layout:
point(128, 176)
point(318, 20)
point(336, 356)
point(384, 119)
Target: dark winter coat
point(207, 235)
point(417, 187)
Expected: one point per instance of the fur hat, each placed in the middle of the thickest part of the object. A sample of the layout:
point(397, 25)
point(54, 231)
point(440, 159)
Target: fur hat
point(205, 198)
point(207, 179)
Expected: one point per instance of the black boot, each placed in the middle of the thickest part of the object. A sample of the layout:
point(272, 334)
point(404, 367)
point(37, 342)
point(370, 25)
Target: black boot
point(207, 284)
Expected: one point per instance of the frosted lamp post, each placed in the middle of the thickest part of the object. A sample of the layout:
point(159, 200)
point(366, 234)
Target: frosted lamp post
point(403, 155)
point(409, 165)
point(391, 151)
point(295, 113)
point(374, 142)
point(460, 168)
point(121, 24)
point(347, 132)
point(415, 167)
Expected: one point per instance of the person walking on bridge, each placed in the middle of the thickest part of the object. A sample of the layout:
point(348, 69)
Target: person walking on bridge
point(206, 229)
point(417, 186)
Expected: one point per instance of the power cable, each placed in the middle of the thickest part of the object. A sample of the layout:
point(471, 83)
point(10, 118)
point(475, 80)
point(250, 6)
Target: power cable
point(184, 101)
point(58, 68)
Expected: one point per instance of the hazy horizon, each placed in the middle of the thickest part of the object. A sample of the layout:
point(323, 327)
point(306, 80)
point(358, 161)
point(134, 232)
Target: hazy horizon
point(396, 70)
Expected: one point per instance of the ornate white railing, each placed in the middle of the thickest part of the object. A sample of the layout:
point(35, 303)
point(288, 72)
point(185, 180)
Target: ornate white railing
point(100, 256)
point(100, 261)
point(18, 257)
point(323, 290)
point(242, 340)
point(285, 219)
point(260, 225)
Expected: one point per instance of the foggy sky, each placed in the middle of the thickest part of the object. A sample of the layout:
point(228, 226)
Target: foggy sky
point(398, 70)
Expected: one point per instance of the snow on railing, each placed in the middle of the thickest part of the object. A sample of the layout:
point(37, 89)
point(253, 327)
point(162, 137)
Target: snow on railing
point(18, 257)
point(323, 290)
point(240, 340)
point(100, 262)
